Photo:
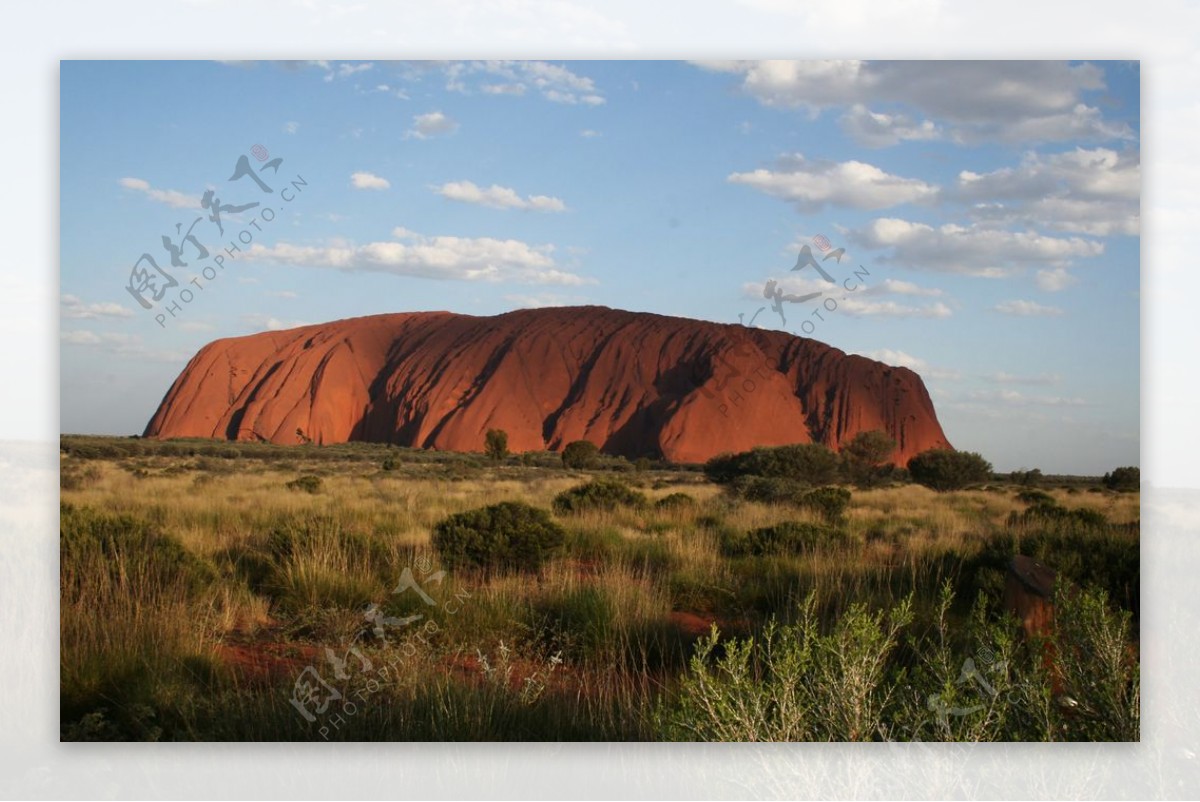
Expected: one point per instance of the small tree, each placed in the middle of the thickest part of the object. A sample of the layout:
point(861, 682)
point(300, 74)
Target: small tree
point(946, 469)
point(495, 444)
point(867, 457)
point(580, 454)
point(1124, 479)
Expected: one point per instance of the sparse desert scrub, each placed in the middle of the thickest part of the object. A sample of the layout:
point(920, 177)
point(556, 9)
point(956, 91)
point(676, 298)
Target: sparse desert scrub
point(196, 589)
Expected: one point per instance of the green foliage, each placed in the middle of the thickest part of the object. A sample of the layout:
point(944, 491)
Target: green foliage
point(580, 454)
point(1124, 480)
point(495, 444)
point(945, 469)
point(830, 502)
point(390, 464)
point(641, 464)
point(866, 459)
point(768, 490)
point(1027, 478)
point(809, 463)
point(506, 536)
point(598, 495)
point(129, 548)
point(307, 484)
point(1035, 497)
point(786, 538)
point(675, 501)
point(791, 683)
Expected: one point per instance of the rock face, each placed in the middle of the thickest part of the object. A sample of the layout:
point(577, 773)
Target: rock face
point(634, 384)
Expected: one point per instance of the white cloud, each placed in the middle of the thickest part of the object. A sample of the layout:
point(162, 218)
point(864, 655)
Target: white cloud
point(970, 250)
point(503, 89)
point(1011, 101)
point(1010, 378)
point(904, 360)
point(1027, 309)
point(342, 70)
point(365, 180)
point(432, 124)
point(588, 133)
point(1013, 398)
point(498, 197)
point(171, 197)
point(436, 257)
point(554, 82)
point(812, 185)
point(543, 300)
point(74, 308)
point(1054, 279)
point(122, 345)
point(286, 295)
point(291, 127)
point(260, 322)
point(1082, 191)
point(879, 130)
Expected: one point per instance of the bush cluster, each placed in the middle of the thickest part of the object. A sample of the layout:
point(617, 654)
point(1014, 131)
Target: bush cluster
point(599, 495)
point(506, 536)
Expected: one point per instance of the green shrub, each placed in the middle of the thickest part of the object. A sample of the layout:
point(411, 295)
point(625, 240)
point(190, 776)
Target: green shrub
point(390, 464)
point(810, 463)
point(675, 501)
point(580, 454)
point(641, 464)
point(1034, 497)
point(791, 683)
point(1124, 480)
point(768, 489)
point(600, 495)
point(504, 536)
point(945, 469)
point(307, 483)
point(866, 459)
point(495, 444)
point(786, 538)
point(830, 502)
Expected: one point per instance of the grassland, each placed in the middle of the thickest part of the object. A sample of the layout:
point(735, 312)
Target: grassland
point(208, 595)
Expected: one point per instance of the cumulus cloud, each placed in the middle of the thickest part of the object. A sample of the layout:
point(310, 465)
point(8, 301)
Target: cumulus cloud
point(970, 250)
point(1087, 191)
point(1009, 101)
point(171, 197)
point(364, 180)
point(438, 257)
point(879, 130)
point(432, 124)
point(498, 197)
point(73, 307)
point(1027, 309)
point(811, 185)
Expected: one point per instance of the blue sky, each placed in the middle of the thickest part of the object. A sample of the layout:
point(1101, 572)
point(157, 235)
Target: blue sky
point(993, 205)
